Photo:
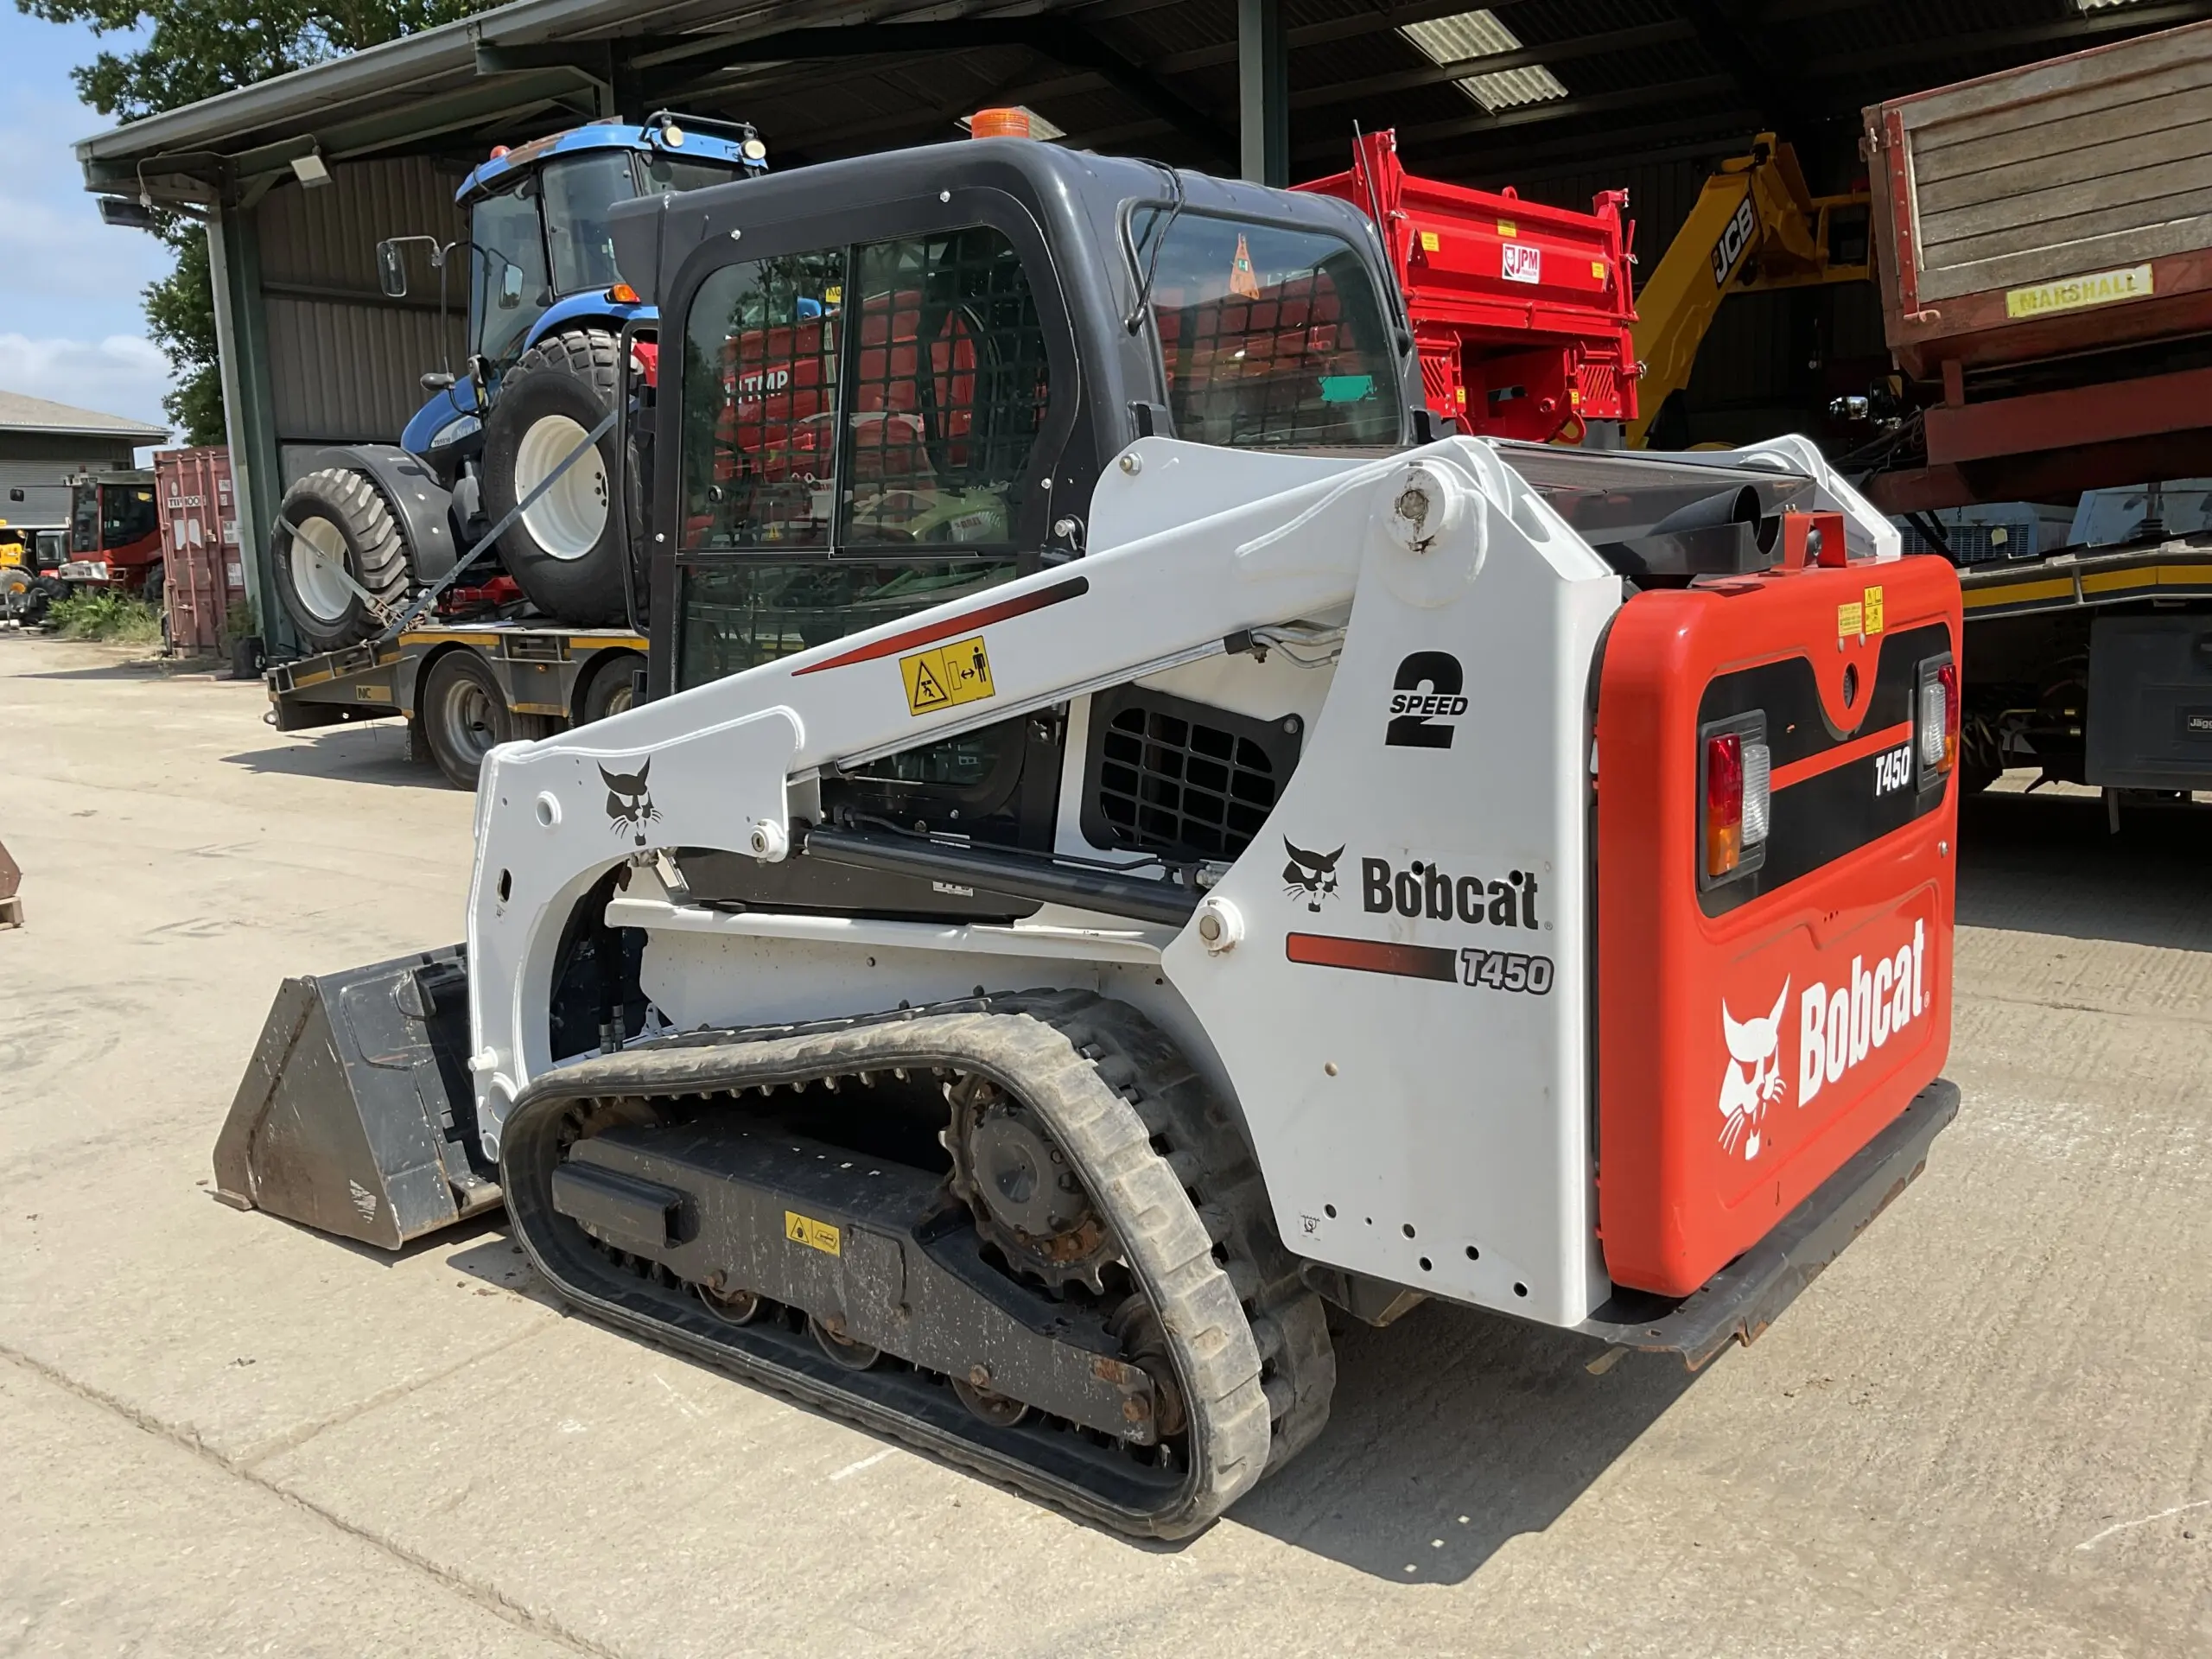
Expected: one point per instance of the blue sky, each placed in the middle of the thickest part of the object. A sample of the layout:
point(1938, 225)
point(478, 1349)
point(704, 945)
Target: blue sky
point(71, 326)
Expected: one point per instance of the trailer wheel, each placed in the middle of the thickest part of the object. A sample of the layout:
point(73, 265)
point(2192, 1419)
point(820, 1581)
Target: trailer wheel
point(463, 713)
point(566, 549)
point(334, 534)
point(610, 690)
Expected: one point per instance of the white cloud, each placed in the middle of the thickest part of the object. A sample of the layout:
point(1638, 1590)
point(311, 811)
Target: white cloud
point(124, 374)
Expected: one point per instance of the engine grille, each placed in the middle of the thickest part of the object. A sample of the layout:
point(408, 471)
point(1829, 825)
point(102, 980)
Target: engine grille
point(1167, 776)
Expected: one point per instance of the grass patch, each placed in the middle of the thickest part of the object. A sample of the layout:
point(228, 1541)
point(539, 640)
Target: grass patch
point(104, 614)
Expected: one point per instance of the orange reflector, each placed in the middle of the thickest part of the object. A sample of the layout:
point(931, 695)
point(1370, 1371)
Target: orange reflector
point(999, 124)
point(622, 293)
point(497, 150)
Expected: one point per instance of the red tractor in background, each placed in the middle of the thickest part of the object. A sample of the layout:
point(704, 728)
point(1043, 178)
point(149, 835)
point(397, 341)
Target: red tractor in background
point(115, 534)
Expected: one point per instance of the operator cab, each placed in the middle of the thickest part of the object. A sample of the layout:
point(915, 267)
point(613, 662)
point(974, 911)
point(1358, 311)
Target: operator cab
point(898, 384)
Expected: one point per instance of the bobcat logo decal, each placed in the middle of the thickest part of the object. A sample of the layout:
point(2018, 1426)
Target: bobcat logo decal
point(629, 804)
point(1746, 1094)
point(1310, 876)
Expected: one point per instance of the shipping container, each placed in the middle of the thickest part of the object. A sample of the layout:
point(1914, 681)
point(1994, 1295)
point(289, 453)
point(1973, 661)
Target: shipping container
point(205, 575)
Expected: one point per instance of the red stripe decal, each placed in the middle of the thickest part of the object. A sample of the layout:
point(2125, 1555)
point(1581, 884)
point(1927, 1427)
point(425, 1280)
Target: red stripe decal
point(1842, 755)
point(1074, 587)
point(1373, 956)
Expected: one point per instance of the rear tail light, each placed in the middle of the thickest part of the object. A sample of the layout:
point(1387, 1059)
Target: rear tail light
point(1938, 718)
point(1735, 763)
point(1724, 804)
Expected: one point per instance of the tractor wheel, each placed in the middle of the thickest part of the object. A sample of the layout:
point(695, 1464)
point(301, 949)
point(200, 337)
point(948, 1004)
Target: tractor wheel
point(336, 541)
point(566, 549)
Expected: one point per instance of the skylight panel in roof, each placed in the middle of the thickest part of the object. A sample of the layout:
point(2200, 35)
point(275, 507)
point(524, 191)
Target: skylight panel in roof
point(1479, 35)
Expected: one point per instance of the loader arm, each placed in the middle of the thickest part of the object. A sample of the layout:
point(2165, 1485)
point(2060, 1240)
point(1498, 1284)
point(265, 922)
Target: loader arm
point(1245, 542)
point(1755, 227)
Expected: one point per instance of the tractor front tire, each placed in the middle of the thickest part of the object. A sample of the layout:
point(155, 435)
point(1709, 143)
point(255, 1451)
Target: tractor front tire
point(335, 535)
point(566, 549)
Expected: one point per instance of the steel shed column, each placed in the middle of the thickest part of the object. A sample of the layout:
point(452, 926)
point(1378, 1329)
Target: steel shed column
point(248, 413)
point(1262, 92)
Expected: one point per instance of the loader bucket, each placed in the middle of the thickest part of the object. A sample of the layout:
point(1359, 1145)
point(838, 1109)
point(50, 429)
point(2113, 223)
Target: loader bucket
point(356, 1116)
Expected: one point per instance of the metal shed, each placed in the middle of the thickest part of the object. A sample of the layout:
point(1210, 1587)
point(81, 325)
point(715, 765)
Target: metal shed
point(1557, 98)
point(42, 443)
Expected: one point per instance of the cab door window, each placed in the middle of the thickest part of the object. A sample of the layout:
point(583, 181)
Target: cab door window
point(760, 371)
point(948, 393)
point(859, 425)
point(578, 194)
point(507, 267)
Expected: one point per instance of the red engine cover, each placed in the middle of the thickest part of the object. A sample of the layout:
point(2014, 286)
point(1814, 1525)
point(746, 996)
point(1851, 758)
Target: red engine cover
point(1754, 1034)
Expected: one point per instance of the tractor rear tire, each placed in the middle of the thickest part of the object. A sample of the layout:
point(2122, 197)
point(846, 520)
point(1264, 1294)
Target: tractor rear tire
point(566, 549)
point(334, 526)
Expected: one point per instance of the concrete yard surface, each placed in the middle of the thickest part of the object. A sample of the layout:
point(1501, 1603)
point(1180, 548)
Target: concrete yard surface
point(1986, 1430)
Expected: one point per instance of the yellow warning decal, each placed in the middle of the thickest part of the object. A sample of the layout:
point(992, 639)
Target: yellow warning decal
point(1598, 270)
point(2071, 294)
point(947, 675)
point(1507, 227)
point(1850, 621)
point(1430, 241)
point(814, 1235)
point(1872, 618)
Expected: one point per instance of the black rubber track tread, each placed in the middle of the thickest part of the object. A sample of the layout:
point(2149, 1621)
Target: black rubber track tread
point(1191, 1128)
point(1160, 1155)
point(348, 497)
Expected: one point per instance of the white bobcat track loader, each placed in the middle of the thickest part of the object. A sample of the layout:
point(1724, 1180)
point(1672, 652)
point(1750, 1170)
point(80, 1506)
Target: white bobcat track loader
point(1135, 835)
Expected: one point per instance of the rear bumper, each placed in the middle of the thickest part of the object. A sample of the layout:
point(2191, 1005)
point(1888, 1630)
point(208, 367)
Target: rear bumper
point(1739, 1302)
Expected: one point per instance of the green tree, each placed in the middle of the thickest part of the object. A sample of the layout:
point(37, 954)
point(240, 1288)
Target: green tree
point(180, 52)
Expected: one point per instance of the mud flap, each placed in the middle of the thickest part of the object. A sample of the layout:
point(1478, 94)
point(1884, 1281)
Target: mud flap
point(356, 1115)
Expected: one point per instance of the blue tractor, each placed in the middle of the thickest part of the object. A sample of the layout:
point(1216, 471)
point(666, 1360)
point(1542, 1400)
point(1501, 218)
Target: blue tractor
point(375, 523)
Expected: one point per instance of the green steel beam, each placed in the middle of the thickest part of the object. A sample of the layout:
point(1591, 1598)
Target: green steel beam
point(249, 409)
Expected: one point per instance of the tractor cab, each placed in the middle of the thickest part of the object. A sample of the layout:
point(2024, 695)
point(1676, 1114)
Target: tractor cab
point(540, 254)
point(114, 533)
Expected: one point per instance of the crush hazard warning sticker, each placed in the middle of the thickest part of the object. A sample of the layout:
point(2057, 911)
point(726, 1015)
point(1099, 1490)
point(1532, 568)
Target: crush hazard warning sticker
point(947, 675)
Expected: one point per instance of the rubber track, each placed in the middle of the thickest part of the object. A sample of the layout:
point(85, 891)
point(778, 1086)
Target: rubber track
point(1160, 1155)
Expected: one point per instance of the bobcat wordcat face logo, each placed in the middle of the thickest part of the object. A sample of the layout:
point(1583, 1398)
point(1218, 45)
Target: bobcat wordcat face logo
point(1310, 876)
point(1837, 1028)
point(629, 804)
point(1754, 1079)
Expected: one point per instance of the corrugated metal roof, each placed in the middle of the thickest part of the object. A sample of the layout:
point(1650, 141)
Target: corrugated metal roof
point(1156, 77)
point(20, 413)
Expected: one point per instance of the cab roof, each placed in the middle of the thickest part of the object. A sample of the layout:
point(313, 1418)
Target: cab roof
point(693, 144)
